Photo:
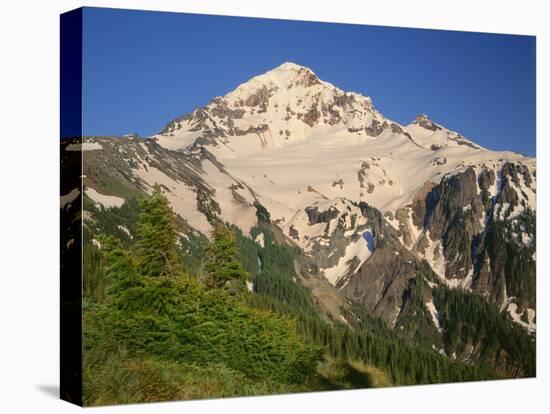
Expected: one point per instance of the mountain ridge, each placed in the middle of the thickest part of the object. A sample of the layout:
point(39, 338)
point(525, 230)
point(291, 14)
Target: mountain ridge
point(290, 76)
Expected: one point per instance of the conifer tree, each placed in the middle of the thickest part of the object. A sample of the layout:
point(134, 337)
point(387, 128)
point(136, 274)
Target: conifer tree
point(156, 247)
point(221, 257)
point(119, 268)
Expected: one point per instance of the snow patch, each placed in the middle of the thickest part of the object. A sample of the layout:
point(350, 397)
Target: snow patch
point(260, 239)
point(358, 249)
point(518, 317)
point(106, 201)
point(85, 146)
point(434, 314)
point(125, 230)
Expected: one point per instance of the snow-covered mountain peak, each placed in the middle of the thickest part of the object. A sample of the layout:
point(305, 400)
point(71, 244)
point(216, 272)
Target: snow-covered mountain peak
point(285, 105)
point(291, 85)
point(284, 77)
point(288, 106)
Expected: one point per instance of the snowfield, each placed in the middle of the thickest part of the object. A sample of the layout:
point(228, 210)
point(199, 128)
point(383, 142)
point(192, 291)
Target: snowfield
point(106, 201)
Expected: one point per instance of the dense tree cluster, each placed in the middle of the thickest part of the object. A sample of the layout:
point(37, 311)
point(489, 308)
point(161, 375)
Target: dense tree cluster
point(472, 326)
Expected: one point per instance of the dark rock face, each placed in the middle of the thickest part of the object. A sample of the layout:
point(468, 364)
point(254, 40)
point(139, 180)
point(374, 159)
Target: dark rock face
point(345, 223)
point(420, 203)
point(305, 78)
point(253, 129)
point(453, 213)
point(208, 206)
point(381, 232)
point(376, 128)
point(259, 97)
point(315, 216)
point(332, 116)
point(209, 137)
point(453, 210)
point(292, 232)
point(200, 116)
point(513, 171)
point(338, 183)
point(402, 216)
point(527, 177)
point(221, 110)
point(439, 160)
point(460, 140)
point(516, 178)
point(311, 116)
point(508, 194)
point(362, 177)
point(380, 283)
point(453, 193)
point(426, 123)
point(262, 214)
point(487, 280)
point(486, 179)
point(343, 100)
point(396, 129)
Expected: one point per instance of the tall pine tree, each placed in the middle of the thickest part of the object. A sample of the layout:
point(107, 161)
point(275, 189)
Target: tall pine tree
point(221, 258)
point(156, 247)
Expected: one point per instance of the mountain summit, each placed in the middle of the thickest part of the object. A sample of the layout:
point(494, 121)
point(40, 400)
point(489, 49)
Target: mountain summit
point(284, 105)
point(283, 77)
point(290, 104)
point(289, 77)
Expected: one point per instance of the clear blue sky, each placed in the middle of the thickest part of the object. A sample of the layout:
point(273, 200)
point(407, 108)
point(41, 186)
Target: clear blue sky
point(142, 69)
